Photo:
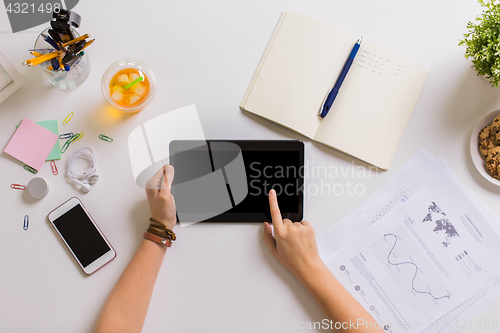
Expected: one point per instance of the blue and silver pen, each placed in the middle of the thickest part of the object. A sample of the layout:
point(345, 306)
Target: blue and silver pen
point(50, 41)
point(330, 97)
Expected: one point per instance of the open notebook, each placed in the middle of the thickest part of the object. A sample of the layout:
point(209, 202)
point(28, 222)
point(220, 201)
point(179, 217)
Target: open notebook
point(299, 67)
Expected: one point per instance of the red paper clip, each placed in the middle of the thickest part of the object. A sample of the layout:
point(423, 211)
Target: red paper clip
point(54, 167)
point(17, 187)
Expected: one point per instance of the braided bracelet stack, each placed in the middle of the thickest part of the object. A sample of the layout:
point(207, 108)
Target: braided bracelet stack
point(159, 233)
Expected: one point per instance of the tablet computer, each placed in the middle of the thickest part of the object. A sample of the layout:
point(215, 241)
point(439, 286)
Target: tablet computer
point(229, 180)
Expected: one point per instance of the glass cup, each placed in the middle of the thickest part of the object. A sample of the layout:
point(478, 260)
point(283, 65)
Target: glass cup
point(128, 85)
point(61, 79)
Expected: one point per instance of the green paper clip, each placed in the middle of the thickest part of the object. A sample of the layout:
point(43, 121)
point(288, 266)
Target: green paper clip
point(30, 169)
point(77, 137)
point(74, 138)
point(105, 138)
point(65, 146)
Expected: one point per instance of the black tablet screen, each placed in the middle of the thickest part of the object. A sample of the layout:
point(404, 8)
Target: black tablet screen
point(277, 165)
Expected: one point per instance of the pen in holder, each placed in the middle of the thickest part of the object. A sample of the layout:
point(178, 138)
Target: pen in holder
point(70, 75)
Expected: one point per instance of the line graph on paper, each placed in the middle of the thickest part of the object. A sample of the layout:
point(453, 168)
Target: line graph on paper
point(413, 276)
point(397, 200)
point(415, 266)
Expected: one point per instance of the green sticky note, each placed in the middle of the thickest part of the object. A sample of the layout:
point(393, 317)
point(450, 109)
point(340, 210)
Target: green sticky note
point(51, 125)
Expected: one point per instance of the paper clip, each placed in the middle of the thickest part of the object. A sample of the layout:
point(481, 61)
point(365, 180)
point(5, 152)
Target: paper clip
point(17, 187)
point(68, 118)
point(77, 137)
point(74, 138)
point(26, 222)
point(105, 138)
point(30, 169)
point(66, 136)
point(65, 146)
point(54, 167)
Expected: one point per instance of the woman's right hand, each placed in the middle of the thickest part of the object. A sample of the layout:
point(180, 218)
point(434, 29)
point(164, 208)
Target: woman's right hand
point(293, 244)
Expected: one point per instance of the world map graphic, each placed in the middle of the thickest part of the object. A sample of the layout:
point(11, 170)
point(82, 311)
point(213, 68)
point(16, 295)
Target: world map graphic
point(438, 216)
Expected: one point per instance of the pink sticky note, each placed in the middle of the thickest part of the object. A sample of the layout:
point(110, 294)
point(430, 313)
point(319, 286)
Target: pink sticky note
point(31, 144)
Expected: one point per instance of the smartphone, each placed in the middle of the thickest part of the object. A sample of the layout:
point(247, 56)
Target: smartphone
point(82, 236)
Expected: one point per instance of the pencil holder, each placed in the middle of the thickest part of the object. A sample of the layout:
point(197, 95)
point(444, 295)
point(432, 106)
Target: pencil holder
point(71, 78)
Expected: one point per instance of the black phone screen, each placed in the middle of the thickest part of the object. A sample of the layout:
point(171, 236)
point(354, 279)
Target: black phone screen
point(81, 235)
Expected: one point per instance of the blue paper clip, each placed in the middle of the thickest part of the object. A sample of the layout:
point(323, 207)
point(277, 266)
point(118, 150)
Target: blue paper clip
point(26, 222)
point(66, 136)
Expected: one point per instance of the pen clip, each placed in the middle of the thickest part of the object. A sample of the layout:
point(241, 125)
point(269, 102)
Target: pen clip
point(324, 101)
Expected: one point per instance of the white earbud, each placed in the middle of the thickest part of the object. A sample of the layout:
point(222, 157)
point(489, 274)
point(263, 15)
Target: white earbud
point(93, 179)
point(86, 187)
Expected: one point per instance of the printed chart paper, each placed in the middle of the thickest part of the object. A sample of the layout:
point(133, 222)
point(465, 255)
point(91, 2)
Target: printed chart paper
point(418, 173)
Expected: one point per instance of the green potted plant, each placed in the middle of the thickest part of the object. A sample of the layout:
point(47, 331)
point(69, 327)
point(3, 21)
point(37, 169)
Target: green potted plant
point(482, 42)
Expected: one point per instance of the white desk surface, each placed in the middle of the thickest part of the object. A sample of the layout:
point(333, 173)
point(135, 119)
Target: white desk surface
point(217, 277)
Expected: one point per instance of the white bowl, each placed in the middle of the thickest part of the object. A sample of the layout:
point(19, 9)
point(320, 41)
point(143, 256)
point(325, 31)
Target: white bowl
point(477, 158)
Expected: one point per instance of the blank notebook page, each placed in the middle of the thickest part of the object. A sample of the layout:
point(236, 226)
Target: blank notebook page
point(290, 84)
point(375, 103)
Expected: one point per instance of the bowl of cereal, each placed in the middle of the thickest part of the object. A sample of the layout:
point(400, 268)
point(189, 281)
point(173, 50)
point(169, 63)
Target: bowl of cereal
point(485, 147)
